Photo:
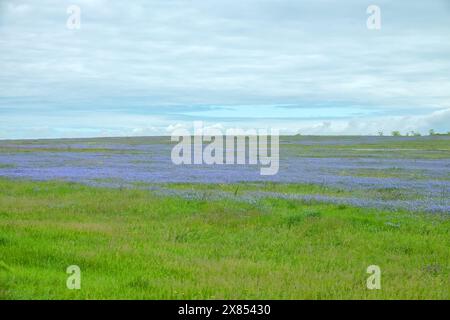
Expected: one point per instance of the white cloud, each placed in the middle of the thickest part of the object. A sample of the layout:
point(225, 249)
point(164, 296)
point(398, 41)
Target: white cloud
point(139, 56)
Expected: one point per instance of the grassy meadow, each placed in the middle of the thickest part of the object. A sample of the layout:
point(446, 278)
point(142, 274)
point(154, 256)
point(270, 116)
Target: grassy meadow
point(135, 244)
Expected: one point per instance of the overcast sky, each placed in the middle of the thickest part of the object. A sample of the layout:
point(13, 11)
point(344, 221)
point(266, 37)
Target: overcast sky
point(145, 67)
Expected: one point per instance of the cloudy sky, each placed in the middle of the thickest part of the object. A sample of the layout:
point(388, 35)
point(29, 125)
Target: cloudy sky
point(144, 67)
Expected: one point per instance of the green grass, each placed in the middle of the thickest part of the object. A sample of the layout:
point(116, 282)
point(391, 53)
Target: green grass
point(425, 147)
point(65, 149)
point(134, 244)
point(7, 166)
point(292, 188)
point(386, 173)
point(430, 147)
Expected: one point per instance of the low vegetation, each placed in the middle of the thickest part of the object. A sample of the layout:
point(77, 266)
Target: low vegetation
point(134, 244)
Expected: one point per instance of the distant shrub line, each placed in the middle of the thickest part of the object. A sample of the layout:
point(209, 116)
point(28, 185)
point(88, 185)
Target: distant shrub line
point(413, 133)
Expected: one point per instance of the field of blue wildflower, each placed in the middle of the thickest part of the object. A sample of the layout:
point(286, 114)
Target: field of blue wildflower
point(140, 227)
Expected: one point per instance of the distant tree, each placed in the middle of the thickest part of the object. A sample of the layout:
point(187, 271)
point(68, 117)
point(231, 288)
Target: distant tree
point(396, 133)
point(432, 132)
point(380, 133)
point(415, 134)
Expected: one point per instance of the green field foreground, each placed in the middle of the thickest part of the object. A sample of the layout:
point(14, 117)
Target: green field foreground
point(132, 244)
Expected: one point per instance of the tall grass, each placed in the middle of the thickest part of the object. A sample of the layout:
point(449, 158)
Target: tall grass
point(133, 244)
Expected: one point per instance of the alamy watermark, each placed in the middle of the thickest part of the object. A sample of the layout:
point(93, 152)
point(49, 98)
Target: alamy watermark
point(73, 281)
point(74, 20)
point(374, 20)
point(374, 281)
point(211, 145)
